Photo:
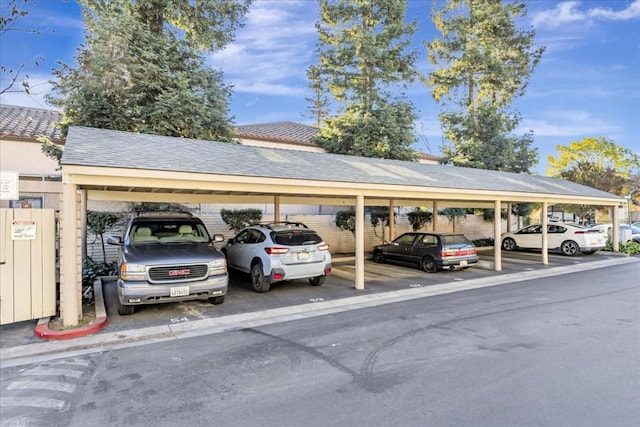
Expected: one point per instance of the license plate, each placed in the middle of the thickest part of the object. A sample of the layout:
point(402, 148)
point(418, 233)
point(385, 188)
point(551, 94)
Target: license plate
point(303, 256)
point(179, 291)
point(463, 263)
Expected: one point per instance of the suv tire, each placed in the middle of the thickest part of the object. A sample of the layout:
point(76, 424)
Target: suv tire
point(216, 300)
point(124, 310)
point(258, 280)
point(317, 281)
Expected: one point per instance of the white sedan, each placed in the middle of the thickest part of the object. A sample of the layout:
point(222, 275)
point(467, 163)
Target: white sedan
point(568, 239)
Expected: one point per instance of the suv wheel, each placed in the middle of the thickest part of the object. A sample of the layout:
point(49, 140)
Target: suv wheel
point(124, 310)
point(258, 281)
point(317, 281)
point(217, 300)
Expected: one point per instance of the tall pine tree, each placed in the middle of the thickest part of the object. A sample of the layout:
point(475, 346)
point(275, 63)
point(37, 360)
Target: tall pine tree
point(365, 62)
point(483, 62)
point(141, 68)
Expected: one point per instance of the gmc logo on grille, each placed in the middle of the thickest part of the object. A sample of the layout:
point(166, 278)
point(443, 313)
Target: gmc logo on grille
point(184, 272)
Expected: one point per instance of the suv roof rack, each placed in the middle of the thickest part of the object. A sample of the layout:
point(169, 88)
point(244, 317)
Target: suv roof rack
point(163, 213)
point(270, 225)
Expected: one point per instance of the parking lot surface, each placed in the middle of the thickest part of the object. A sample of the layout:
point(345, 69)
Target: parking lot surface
point(379, 278)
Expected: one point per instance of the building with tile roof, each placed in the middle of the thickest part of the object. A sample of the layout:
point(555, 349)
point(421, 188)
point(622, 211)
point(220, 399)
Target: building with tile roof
point(21, 155)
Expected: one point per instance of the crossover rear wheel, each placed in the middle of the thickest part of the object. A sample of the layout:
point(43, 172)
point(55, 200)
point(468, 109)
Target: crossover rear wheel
point(317, 281)
point(258, 281)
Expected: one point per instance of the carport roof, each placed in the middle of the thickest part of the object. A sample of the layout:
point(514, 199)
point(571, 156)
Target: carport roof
point(124, 150)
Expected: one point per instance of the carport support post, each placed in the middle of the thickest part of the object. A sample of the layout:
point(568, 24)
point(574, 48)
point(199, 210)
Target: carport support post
point(69, 258)
point(434, 217)
point(509, 217)
point(360, 242)
point(497, 231)
point(392, 221)
point(545, 234)
point(276, 208)
point(615, 235)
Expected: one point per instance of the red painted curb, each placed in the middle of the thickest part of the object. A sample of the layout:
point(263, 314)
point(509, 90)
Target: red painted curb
point(42, 330)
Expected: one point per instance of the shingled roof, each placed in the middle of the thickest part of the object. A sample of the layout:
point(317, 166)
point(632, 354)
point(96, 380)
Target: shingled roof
point(29, 123)
point(115, 149)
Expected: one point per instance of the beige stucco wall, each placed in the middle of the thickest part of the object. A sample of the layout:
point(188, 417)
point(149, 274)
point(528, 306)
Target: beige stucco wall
point(26, 158)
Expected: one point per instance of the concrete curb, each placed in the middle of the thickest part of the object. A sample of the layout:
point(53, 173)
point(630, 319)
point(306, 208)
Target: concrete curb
point(42, 328)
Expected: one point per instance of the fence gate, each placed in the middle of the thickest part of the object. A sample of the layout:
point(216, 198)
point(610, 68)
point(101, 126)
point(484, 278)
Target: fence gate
point(27, 264)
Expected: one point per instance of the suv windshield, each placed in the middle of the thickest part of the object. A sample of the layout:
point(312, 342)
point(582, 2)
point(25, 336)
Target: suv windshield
point(295, 237)
point(168, 230)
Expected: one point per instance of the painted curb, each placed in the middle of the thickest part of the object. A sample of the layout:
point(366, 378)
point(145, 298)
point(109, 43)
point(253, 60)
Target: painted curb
point(42, 328)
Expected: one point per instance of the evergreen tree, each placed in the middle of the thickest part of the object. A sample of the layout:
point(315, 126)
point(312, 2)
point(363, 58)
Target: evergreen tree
point(483, 62)
point(141, 68)
point(364, 60)
point(319, 103)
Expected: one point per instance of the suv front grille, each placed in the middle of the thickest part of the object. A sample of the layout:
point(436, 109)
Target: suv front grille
point(178, 273)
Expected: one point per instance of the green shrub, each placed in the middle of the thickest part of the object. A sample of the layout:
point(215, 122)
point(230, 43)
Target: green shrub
point(237, 219)
point(419, 219)
point(91, 270)
point(346, 221)
point(631, 248)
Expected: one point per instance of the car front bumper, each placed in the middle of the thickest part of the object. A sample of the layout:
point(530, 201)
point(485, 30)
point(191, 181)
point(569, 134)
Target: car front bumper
point(141, 293)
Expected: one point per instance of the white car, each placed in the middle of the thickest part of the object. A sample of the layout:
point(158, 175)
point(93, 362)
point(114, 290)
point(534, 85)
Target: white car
point(568, 239)
point(279, 251)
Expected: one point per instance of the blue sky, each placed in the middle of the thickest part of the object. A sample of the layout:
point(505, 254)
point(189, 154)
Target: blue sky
point(586, 85)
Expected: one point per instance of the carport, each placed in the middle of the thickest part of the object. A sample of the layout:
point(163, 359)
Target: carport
point(108, 165)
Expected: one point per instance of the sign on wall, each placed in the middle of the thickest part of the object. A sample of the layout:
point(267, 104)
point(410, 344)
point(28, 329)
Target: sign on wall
point(23, 230)
point(9, 185)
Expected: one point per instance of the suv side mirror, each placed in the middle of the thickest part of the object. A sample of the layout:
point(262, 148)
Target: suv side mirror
point(114, 240)
point(217, 238)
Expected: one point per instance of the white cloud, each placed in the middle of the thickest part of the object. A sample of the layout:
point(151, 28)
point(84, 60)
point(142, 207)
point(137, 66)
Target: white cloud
point(568, 12)
point(272, 52)
point(568, 123)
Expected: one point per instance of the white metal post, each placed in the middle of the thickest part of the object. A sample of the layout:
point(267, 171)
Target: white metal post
point(497, 231)
point(360, 242)
point(545, 234)
point(68, 287)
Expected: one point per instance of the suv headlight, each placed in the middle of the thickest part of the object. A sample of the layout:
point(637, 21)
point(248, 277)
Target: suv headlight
point(133, 272)
point(218, 266)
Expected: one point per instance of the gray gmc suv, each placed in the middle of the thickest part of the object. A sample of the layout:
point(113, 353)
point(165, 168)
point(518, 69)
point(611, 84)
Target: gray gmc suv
point(167, 257)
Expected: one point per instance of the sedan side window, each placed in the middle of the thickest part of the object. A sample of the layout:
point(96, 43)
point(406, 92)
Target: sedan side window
point(405, 239)
point(556, 229)
point(532, 229)
point(427, 240)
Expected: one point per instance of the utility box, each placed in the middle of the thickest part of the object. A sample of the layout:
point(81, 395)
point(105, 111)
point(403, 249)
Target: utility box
point(27, 264)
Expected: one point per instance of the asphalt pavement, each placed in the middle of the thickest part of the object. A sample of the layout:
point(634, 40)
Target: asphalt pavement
point(384, 283)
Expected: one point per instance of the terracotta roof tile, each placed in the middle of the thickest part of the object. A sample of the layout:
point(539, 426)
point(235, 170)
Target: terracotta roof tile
point(279, 131)
point(29, 123)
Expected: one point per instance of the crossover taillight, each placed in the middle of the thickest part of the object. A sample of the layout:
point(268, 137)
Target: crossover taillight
point(323, 247)
point(276, 251)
